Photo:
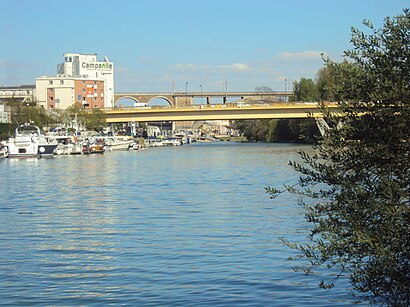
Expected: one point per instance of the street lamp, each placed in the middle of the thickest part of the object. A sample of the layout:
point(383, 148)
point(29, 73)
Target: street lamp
point(186, 93)
point(226, 89)
point(201, 94)
point(286, 81)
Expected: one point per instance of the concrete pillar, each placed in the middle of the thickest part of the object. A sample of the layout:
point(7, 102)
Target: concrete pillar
point(133, 129)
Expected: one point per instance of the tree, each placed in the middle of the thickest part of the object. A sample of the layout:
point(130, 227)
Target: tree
point(22, 112)
point(254, 130)
point(356, 189)
point(305, 90)
point(279, 130)
point(265, 89)
point(93, 119)
point(325, 84)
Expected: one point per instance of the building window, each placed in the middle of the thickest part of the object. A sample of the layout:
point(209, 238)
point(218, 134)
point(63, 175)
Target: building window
point(61, 82)
point(83, 82)
point(83, 90)
point(50, 82)
point(78, 97)
point(51, 98)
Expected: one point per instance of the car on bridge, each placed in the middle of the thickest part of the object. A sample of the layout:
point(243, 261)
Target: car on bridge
point(140, 104)
point(242, 104)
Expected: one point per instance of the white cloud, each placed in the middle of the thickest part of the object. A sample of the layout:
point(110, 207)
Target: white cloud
point(236, 67)
point(246, 74)
point(190, 67)
point(300, 56)
point(121, 69)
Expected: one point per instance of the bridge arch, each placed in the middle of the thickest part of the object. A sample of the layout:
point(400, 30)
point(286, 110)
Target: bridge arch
point(125, 98)
point(163, 98)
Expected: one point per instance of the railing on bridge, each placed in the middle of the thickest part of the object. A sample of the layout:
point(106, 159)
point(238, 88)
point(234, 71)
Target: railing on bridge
point(235, 105)
point(216, 112)
point(178, 98)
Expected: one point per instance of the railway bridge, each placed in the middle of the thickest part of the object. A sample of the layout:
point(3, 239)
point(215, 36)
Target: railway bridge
point(186, 98)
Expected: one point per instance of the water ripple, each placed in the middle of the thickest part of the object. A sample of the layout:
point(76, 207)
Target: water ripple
point(189, 226)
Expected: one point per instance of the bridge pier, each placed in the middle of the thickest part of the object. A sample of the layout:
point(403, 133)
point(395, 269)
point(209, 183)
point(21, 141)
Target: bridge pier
point(183, 101)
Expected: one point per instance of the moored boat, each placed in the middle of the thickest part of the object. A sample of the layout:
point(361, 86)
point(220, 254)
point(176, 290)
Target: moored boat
point(3, 150)
point(93, 146)
point(29, 142)
point(172, 141)
point(113, 143)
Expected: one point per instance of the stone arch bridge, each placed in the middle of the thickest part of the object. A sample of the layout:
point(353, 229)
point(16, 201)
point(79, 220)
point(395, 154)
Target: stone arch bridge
point(186, 98)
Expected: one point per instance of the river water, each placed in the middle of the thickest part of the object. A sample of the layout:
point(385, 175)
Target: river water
point(183, 226)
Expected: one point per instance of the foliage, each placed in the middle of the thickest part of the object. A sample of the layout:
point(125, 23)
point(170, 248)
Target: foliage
point(22, 113)
point(6, 131)
point(305, 90)
point(356, 189)
point(325, 83)
point(263, 89)
point(93, 119)
point(279, 130)
point(323, 88)
point(253, 130)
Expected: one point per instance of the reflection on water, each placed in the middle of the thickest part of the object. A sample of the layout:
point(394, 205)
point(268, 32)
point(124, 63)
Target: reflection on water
point(170, 226)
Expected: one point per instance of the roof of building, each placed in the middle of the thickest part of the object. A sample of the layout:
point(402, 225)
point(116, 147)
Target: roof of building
point(17, 87)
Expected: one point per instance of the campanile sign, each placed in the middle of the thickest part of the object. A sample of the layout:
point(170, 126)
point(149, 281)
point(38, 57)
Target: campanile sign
point(99, 66)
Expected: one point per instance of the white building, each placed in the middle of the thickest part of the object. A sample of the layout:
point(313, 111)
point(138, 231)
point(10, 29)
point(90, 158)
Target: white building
point(4, 115)
point(62, 92)
point(80, 79)
point(22, 93)
point(153, 131)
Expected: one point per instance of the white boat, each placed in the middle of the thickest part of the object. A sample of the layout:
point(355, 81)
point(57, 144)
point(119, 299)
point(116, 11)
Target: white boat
point(207, 139)
point(71, 148)
point(151, 142)
point(136, 146)
point(182, 137)
point(3, 150)
point(172, 142)
point(113, 143)
point(30, 142)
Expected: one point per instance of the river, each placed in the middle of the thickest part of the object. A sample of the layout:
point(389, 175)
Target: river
point(181, 226)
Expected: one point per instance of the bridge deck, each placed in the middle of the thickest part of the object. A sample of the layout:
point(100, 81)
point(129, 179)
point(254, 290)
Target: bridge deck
point(214, 112)
point(208, 94)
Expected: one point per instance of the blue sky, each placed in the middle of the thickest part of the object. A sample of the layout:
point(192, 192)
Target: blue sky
point(159, 45)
